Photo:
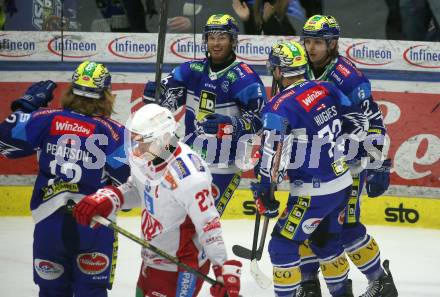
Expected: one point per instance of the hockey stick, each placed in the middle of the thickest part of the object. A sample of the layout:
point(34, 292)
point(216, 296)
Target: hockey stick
point(241, 251)
point(262, 280)
point(245, 253)
point(163, 17)
point(112, 225)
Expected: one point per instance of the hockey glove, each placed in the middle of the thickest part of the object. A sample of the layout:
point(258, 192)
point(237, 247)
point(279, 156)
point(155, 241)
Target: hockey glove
point(104, 202)
point(378, 179)
point(229, 276)
point(266, 206)
point(149, 92)
point(37, 95)
point(217, 124)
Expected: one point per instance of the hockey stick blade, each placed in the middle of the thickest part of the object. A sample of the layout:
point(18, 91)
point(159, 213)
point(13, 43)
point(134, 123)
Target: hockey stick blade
point(260, 278)
point(245, 253)
point(242, 252)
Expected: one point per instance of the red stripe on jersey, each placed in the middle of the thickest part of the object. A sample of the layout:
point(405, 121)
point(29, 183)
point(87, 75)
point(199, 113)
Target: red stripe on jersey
point(187, 251)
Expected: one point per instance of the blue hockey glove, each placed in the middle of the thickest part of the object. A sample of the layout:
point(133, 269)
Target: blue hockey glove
point(149, 92)
point(217, 124)
point(37, 95)
point(378, 179)
point(266, 206)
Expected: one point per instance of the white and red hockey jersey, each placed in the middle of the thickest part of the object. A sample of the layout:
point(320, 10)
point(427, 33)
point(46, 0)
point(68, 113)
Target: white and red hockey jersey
point(178, 212)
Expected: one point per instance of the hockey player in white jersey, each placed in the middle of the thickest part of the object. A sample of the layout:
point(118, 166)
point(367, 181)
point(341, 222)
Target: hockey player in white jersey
point(173, 186)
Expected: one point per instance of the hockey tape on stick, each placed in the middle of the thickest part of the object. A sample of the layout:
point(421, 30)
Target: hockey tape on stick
point(260, 278)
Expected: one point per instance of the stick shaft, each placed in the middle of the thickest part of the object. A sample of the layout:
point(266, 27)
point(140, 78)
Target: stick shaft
point(112, 225)
point(163, 16)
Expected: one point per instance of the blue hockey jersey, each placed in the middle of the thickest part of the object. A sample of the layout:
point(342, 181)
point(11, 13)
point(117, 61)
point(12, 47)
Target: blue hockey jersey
point(302, 132)
point(77, 154)
point(353, 83)
point(236, 91)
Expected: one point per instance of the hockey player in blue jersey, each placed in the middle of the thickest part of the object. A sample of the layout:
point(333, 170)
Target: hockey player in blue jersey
point(320, 36)
point(79, 150)
point(223, 99)
point(302, 138)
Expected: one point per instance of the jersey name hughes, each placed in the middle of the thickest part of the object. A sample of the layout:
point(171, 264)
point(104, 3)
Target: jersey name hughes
point(326, 115)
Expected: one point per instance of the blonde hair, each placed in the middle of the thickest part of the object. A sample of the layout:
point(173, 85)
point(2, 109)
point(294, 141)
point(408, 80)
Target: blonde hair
point(89, 106)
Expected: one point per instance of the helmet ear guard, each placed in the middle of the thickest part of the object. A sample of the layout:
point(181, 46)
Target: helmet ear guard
point(90, 80)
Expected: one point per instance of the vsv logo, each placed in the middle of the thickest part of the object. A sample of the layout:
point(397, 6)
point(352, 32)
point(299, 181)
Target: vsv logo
point(150, 226)
point(401, 214)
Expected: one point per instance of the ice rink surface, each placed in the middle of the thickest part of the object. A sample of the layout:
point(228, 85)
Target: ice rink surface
point(414, 256)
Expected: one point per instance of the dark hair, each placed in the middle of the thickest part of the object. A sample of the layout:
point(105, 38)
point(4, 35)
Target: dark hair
point(89, 106)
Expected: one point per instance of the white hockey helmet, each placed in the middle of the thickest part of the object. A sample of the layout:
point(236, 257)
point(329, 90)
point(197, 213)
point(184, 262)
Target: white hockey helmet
point(152, 129)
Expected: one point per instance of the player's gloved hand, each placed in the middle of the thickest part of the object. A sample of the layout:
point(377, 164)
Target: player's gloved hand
point(149, 92)
point(37, 95)
point(266, 206)
point(229, 276)
point(104, 202)
point(378, 179)
point(217, 124)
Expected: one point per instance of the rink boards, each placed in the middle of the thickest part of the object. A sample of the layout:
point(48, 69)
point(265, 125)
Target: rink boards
point(404, 78)
point(385, 210)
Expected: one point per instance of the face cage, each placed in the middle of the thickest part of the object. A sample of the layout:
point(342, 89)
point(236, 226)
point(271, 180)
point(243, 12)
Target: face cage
point(233, 36)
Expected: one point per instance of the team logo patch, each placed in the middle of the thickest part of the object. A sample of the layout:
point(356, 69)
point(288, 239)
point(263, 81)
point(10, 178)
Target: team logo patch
point(311, 97)
point(225, 86)
point(310, 225)
point(180, 168)
point(48, 270)
point(341, 217)
point(316, 183)
point(150, 226)
point(148, 199)
point(92, 263)
point(246, 68)
point(169, 182)
point(62, 125)
point(343, 70)
point(339, 167)
point(197, 163)
point(215, 191)
point(207, 102)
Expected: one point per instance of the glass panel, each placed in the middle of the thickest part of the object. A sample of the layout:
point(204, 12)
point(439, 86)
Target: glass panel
point(374, 19)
